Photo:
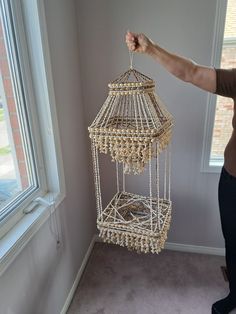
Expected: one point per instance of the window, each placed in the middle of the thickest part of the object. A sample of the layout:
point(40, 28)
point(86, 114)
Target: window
point(20, 155)
point(224, 106)
point(218, 124)
point(31, 170)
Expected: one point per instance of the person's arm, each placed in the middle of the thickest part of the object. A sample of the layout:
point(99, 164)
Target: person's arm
point(181, 67)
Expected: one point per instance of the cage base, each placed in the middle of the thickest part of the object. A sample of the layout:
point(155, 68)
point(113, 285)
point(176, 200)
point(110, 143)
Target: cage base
point(127, 221)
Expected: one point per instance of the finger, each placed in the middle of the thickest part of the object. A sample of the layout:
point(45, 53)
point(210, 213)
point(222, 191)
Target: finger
point(130, 36)
point(129, 39)
point(129, 46)
point(132, 47)
point(130, 42)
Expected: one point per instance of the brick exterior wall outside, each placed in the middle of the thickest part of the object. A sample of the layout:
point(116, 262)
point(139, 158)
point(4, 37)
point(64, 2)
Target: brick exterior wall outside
point(224, 107)
point(230, 23)
point(11, 106)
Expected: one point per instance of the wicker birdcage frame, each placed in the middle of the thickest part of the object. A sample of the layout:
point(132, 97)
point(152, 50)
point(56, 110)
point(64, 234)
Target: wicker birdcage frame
point(134, 127)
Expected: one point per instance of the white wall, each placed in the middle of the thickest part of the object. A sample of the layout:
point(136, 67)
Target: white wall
point(185, 27)
point(40, 278)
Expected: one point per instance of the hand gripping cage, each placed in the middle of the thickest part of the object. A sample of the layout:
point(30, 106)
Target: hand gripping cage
point(134, 127)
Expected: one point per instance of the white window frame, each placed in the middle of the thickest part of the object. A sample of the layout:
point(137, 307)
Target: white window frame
point(20, 63)
point(220, 16)
point(32, 35)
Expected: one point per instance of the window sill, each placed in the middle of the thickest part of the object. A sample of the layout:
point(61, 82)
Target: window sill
point(16, 239)
point(215, 166)
point(217, 162)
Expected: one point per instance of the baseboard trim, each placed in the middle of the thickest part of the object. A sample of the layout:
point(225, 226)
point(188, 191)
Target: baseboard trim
point(194, 249)
point(168, 246)
point(78, 276)
point(185, 248)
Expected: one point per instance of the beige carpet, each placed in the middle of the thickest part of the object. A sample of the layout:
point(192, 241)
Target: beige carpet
point(117, 281)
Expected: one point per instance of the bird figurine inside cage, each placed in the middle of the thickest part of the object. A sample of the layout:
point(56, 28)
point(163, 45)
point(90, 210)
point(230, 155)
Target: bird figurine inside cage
point(134, 127)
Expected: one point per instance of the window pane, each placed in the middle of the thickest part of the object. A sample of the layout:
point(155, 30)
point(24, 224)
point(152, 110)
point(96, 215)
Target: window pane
point(224, 106)
point(17, 171)
point(230, 25)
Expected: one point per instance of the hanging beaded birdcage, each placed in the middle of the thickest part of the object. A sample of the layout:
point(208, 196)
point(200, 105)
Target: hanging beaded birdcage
point(134, 127)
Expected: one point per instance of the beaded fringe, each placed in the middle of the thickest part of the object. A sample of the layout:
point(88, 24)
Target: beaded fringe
point(134, 240)
point(130, 147)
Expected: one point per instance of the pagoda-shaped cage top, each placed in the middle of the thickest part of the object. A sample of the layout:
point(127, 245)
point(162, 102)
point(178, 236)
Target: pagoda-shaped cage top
point(132, 117)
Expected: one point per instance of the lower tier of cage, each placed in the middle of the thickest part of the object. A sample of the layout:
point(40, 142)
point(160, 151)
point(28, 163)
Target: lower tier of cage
point(137, 222)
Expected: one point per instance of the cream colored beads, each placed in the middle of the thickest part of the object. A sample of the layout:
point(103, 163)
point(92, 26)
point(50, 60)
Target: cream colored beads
point(128, 146)
point(133, 127)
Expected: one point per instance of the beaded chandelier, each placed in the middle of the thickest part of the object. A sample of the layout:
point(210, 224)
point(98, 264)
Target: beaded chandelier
point(134, 127)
